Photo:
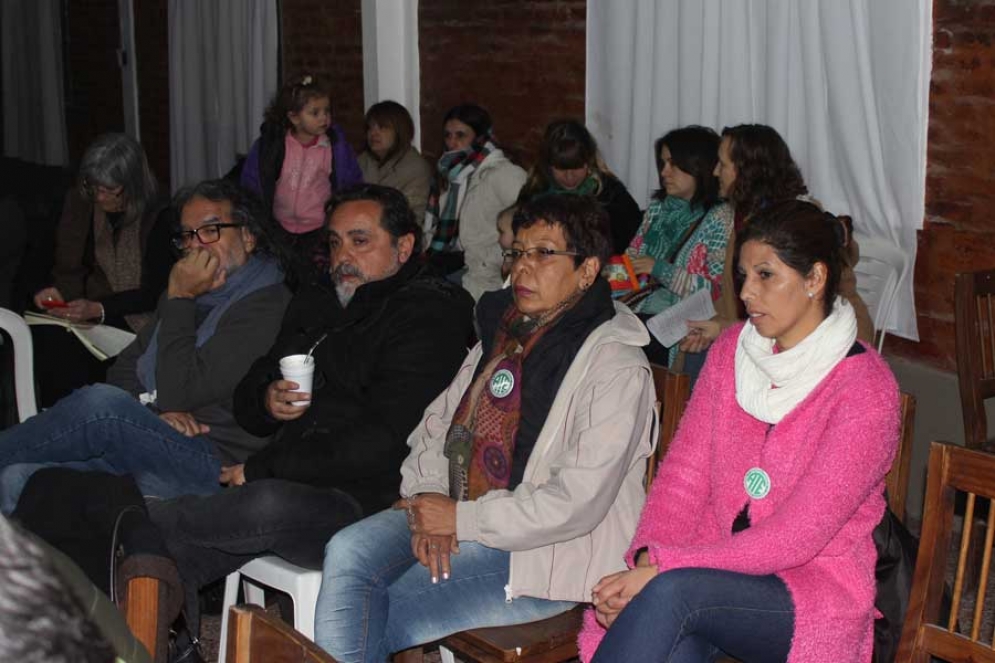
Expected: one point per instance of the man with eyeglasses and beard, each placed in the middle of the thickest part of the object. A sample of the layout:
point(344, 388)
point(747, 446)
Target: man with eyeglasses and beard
point(165, 417)
point(394, 337)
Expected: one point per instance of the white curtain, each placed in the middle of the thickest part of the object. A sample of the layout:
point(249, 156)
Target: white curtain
point(390, 56)
point(222, 72)
point(34, 122)
point(844, 81)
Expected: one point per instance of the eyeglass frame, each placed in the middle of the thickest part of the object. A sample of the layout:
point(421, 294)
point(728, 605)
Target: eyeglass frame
point(91, 189)
point(539, 254)
point(184, 238)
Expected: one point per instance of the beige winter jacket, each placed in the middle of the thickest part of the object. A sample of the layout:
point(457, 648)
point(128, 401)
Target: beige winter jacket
point(569, 522)
point(409, 173)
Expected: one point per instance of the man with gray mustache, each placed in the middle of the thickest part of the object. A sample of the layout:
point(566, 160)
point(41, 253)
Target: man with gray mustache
point(394, 339)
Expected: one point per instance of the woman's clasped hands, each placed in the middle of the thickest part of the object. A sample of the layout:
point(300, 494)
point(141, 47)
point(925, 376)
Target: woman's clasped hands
point(432, 521)
point(613, 592)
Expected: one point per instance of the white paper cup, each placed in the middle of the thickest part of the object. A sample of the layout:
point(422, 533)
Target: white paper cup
point(294, 368)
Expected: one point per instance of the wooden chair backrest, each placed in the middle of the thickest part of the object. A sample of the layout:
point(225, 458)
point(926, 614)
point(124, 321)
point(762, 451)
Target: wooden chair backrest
point(897, 479)
point(974, 314)
point(257, 637)
point(672, 393)
point(927, 630)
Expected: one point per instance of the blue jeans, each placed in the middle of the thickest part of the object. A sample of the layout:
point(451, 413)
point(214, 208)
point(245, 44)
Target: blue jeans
point(693, 615)
point(377, 599)
point(101, 427)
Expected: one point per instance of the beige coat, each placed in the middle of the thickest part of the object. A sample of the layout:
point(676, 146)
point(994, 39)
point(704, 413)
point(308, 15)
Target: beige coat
point(569, 522)
point(409, 173)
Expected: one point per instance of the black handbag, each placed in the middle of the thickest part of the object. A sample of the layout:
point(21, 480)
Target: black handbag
point(893, 573)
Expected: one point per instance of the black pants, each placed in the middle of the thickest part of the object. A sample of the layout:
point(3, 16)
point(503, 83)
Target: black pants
point(211, 536)
point(63, 364)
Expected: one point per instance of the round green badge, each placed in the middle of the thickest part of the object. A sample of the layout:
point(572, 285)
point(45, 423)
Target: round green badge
point(757, 483)
point(502, 383)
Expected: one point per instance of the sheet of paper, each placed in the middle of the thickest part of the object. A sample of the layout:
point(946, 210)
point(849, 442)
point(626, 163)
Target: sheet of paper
point(670, 326)
point(109, 340)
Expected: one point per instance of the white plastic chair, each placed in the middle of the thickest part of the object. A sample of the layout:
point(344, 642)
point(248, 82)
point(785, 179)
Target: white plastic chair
point(277, 573)
point(24, 363)
point(880, 266)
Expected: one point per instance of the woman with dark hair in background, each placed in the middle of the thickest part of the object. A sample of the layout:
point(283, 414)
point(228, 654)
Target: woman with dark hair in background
point(476, 181)
point(683, 240)
point(756, 170)
point(757, 538)
point(112, 260)
point(390, 159)
point(569, 162)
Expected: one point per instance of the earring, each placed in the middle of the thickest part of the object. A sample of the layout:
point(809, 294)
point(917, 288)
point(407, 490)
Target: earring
point(811, 295)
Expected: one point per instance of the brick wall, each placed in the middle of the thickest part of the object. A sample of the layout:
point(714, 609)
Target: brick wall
point(93, 78)
point(152, 54)
point(325, 37)
point(522, 60)
point(959, 229)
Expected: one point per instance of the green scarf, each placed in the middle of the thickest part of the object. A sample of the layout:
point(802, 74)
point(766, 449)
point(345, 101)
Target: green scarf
point(665, 227)
point(589, 187)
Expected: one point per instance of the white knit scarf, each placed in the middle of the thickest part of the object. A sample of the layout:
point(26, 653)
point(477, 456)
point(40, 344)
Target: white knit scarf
point(795, 372)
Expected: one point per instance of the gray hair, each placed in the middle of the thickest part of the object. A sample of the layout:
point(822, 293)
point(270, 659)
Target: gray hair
point(41, 619)
point(117, 160)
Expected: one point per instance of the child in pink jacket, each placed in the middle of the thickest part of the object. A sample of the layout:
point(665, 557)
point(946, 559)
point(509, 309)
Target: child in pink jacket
point(756, 539)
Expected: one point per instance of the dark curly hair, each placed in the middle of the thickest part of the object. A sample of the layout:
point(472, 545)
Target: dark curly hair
point(584, 223)
point(765, 171)
point(695, 150)
point(396, 216)
point(293, 97)
point(246, 209)
point(801, 235)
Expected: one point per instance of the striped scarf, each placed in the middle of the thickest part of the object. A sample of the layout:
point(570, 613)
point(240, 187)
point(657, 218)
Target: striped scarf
point(457, 167)
point(480, 443)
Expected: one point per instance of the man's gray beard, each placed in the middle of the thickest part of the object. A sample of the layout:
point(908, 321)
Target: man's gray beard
point(345, 293)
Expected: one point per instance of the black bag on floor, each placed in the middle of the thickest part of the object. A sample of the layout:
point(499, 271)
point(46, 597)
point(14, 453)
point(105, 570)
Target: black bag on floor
point(895, 567)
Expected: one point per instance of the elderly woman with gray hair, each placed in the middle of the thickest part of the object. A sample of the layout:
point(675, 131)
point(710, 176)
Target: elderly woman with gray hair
point(112, 260)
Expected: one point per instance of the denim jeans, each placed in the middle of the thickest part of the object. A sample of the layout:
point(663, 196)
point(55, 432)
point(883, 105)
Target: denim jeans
point(101, 427)
point(693, 615)
point(377, 599)
point(211, 536)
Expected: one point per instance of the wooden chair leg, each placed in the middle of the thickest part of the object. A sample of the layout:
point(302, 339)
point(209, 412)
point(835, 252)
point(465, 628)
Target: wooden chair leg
point(413, 655)
point(142, 611)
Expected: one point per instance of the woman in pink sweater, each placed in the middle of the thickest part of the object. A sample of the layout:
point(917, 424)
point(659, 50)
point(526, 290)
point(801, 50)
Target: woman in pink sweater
point(756, 537)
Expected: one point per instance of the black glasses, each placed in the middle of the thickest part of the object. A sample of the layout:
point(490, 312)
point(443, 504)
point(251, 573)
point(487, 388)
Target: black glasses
point(208, 234)
point(91, 189)
point(537, 254)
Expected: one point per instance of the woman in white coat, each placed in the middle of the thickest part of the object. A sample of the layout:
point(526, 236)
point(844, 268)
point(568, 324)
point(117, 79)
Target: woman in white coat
point(476, 182)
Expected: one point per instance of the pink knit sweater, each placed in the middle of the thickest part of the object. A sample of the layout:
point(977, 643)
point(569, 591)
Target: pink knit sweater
point(827, 460)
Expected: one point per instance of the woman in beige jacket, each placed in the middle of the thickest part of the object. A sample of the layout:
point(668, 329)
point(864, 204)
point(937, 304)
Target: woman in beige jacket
point(390, 159)
point(524, 481)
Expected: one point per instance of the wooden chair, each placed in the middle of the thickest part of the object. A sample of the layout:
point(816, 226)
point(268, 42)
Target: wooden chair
point(927, 631)
point(897, 480)
point(257, 637)
point(555, 639)
point(974, 314)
